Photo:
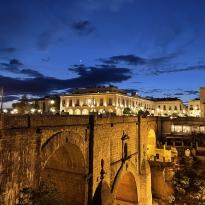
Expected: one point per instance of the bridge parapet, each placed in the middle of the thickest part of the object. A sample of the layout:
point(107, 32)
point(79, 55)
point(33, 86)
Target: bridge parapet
point(35, 121)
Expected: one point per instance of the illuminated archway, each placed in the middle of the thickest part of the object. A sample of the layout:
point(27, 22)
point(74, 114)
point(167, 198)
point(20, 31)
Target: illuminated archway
point(85, 112)
point(101, 111)
point(119, 112)
point(70, 111)
point(77, 112)
point(126, 192)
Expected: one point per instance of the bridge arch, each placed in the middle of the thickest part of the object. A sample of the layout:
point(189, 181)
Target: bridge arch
point(125, 187)
point(63, 164)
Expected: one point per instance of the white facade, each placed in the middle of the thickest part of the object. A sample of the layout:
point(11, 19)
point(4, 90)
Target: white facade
point(110, 102)
point(194, 109)
point(118, 103)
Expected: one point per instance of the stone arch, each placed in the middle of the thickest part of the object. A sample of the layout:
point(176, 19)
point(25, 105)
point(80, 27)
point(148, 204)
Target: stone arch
point(110, 110)
point(85, 112)
point(58, 140)
point(77, 112)
point(151, 144)
point(63, 165)
point(101, 111)
point(119, 112)
point(125, 187)
point(70, 111)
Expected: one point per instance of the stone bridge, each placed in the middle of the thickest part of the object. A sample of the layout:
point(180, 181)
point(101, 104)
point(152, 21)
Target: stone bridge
point(90, 159)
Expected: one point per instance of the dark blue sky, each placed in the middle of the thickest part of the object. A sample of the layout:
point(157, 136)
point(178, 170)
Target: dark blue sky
point(154, 46)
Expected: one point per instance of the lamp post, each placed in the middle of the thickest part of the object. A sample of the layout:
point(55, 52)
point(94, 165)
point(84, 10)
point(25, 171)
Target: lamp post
point(1, 95)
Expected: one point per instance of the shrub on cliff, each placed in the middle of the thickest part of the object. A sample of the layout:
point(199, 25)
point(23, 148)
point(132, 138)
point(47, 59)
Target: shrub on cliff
point(45, 194)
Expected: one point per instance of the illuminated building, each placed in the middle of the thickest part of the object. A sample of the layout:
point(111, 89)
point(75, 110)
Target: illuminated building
point(169, 107)
point(194, 108)
point(112, 100)
point(104, 100)
point(202, 101)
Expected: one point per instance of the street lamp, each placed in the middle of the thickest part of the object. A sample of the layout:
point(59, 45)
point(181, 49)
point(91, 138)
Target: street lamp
point(52, 102)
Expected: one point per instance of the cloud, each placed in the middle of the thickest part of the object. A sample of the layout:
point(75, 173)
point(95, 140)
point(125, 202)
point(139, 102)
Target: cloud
point(87, 76)
point(15, 66)
point(159, 71)
point(129, 59)
point(7, 50)
point(153, 66)
point(44, 40)
point(132, 59)
point(9, 98)
point(92, 76)
point(83, 27)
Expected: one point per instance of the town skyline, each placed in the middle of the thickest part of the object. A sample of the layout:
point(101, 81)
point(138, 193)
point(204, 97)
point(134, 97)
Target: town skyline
point(50, 48)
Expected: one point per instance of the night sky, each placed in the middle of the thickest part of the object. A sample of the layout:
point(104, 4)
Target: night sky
point(155, 47)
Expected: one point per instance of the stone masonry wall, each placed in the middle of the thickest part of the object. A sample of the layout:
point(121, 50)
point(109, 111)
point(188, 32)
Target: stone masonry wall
point(21, 139)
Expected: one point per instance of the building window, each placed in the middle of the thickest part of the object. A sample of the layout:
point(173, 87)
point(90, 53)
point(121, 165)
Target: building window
point(63, 103)
point(70, 103)
point(191, 107)
point(127, 103)
point(178, 128)
point(157, 156)
point(77, 102)
point(101, 102)
point(84, 102)
point(170, 108)
point(165, 107)
point(123, 102)
point(118, 101)
point(110, 101)
point(175, 107)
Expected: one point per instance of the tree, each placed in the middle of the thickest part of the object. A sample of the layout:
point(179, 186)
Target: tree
point(23, 106)
point(127, 111)
point(143, 113)
point(45, 194)
point(189, 185)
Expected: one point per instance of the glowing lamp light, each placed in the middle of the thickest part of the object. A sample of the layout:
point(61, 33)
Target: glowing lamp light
point(53, 110)
point(33, 110)
point(52, 102)
point(14, 111)
point(5, 111)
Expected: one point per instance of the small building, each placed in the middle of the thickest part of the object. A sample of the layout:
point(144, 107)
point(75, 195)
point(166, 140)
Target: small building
point(169, 107)
point(48, 104)
point(202, 101)
point(194, 108)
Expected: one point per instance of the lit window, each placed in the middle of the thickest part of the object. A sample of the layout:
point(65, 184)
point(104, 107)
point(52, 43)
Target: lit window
point(63, 103)
point(77, 102)
point(110, 101)
point(101, 102)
